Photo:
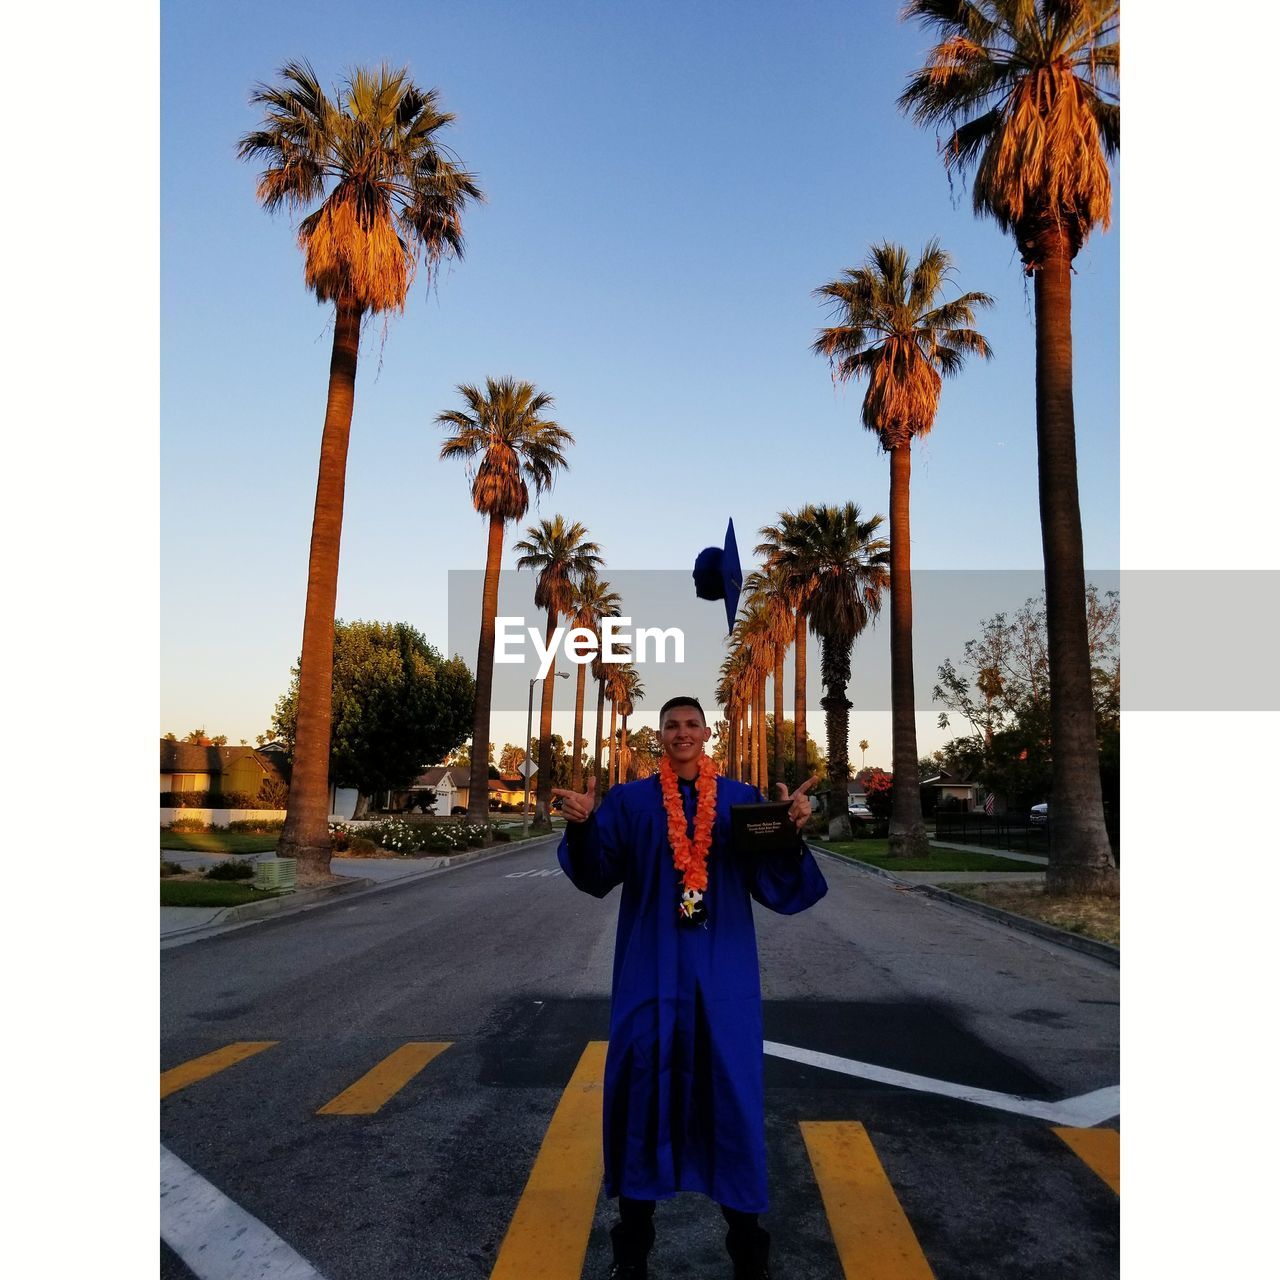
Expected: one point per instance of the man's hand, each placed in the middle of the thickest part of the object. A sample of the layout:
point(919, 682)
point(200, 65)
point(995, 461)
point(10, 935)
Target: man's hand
point(801, 806)
point(578, 805)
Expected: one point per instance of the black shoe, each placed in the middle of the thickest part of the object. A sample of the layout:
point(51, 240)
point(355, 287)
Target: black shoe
point(750, 1256)
point(631, 1247)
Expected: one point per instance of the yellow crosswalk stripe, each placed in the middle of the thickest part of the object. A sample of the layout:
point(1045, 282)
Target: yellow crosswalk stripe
point(547, 1239)
point(1099, 1149)
point(210, 1064)
point(871, 1233)
point(377, 1087)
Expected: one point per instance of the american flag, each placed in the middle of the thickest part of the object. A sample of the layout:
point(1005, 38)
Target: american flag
point(989, 804)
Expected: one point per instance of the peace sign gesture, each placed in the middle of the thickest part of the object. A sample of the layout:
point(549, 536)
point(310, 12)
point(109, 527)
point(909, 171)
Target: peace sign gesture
point(801, 806)
point(577, 805)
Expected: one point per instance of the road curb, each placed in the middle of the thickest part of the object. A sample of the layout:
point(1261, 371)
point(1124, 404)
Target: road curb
point(1063, 937)
point(306, 899)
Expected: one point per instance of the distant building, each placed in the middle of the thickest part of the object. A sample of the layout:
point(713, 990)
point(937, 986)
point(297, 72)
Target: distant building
point(188, 766)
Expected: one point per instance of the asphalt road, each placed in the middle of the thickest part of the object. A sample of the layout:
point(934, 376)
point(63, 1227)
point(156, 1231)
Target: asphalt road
point(512, 969)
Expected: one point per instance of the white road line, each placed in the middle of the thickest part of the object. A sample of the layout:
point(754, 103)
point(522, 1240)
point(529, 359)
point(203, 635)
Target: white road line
point(216, 1238)
point(1083, 1111)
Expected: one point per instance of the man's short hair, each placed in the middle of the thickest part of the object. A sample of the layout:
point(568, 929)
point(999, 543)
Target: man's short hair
point(679, 702)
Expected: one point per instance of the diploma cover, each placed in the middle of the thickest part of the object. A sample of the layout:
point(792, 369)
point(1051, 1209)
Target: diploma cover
point(764, 828)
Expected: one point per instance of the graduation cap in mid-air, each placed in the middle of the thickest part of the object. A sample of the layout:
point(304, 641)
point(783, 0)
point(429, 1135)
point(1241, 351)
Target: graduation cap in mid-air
point(717, 575)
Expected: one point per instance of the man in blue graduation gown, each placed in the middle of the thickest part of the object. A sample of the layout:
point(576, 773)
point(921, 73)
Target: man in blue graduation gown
point(684, 1077)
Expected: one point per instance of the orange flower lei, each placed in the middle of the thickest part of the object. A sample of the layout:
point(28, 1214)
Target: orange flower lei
point(690, 858)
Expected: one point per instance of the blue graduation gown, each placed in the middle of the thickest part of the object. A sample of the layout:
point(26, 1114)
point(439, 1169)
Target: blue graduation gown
point(684, 1076)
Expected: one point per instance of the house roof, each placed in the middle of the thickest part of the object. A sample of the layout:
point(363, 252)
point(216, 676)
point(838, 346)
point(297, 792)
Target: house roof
point(506, 784)
point(190, 757)
point(437, 775)
point(945, 779)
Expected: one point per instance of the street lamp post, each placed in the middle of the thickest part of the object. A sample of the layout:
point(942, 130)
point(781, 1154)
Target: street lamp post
point(528, 753)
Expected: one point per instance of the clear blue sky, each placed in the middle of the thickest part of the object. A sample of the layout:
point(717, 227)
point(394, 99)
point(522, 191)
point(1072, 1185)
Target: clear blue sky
point(667, 183)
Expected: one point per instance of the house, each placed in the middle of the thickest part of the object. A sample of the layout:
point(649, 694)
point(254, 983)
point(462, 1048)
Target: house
point(451, 784)
point(509, 791)
point(189, 766)
point(946, 790)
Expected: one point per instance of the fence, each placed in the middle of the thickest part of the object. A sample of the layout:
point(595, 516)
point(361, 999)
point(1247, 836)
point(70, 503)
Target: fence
point(1011, 831)
point(993, 831)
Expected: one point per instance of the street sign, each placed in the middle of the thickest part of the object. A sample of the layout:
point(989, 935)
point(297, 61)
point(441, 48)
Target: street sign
point(527, 769)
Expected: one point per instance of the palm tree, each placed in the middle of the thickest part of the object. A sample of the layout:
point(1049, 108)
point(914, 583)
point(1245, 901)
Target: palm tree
point(604, 677)
point(593, 599)
point(561, 556)
point(1030, 92)
point(756, 636)
point(862, 746)
point(773, 591)
point(517, 447)
point(840, 564)
point(631, 691)
point(893, 326)
point(388, 194)
point(615, 691)
point(775, 538)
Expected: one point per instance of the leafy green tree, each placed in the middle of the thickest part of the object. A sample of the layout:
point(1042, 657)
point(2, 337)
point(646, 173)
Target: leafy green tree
point(645, 747)
point(1029, 92)
point(893, 327)
point(1002, 687)
point(383, 193)
point(398, 706)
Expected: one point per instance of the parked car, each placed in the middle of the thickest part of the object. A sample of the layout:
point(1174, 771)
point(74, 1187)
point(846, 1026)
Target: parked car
point(1039, 815)
point(861, 811)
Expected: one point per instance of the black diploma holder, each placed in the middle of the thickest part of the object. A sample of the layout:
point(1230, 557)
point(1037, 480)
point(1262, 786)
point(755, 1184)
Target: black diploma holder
point(760, 829)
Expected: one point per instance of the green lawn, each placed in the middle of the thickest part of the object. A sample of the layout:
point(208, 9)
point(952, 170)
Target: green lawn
point(210, 893)
point(217, 841)
point(876, 852)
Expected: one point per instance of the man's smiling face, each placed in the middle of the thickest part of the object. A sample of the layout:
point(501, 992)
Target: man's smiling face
point(684, 733)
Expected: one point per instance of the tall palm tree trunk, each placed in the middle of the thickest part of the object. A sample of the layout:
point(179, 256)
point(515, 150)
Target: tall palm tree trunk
point(599, 736)
point(749, 765)
point(613, 741)
point(478, 795)
point(763, 737)
point(1080, 858)
point(907, 838)
point(545, 762)
point(306, 825)
point(576, 754)
point(623, 758)
point(835, 702)
point(802, 675)
point(778, 677)
point(731, 748)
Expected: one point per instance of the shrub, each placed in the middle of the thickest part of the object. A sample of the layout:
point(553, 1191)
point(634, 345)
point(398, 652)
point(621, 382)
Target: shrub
point(359, 847)
point(230, 871)
point(168, 868)
point(257, 826)
point(501, 837)
point(212, 800)
point(188, 824)
point(864, 830)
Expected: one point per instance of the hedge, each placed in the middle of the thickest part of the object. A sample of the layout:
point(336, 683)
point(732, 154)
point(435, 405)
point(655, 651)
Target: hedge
point(215, 800)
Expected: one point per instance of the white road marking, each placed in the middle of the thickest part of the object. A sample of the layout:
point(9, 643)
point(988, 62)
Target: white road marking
point(215, 1237)
point(1081, 1112)
point(516, 875)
